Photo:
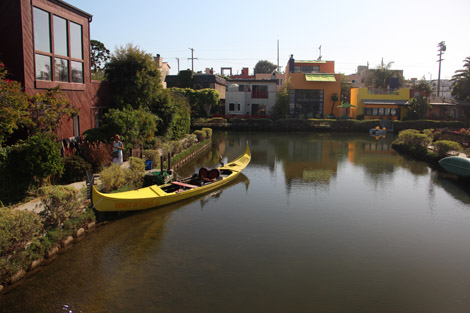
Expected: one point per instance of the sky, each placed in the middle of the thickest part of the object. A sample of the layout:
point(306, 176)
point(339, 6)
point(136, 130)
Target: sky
point(238, 34)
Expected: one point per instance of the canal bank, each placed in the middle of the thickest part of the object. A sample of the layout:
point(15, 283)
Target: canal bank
point(10, 279)
point(319, 125)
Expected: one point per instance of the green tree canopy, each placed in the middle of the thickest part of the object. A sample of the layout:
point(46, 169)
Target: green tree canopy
point(281, 108)
point(423, 86)
point(48, 110)
point(418, 108)
point(134, 78)
point(264, 67)
point(461, 82)
point(99, 55)
point(13, 106)
point(134, 126)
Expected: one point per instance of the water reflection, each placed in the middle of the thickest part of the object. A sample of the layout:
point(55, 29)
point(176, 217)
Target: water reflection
point(331, 222)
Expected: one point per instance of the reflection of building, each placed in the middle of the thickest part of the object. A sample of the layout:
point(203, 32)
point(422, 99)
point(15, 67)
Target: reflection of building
point(371, 105)
point(46, 44)
point(311, 160)
point(312, 85)
point(250, 97)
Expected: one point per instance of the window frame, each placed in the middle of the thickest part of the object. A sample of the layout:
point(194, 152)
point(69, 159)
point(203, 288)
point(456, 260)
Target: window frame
point(70, 84)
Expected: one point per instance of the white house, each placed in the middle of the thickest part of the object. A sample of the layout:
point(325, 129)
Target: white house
point(250, 97)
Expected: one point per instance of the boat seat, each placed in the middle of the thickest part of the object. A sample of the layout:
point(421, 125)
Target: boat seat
point(183, 184)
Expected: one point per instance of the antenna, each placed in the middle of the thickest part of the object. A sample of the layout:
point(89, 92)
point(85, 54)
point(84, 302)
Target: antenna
point(319, 57)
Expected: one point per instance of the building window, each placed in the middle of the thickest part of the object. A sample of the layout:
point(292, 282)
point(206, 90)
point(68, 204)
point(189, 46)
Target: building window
point(58, 57)
point(238, 107)
point(231, 106)
point(259, 92)
point(306, 69)
point(309, 101)
point(380, 111)
point(76, 125)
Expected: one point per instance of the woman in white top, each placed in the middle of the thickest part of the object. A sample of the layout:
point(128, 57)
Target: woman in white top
point(118, 147)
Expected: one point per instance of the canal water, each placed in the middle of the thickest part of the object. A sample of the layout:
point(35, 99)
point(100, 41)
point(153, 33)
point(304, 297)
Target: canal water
point(316, 223)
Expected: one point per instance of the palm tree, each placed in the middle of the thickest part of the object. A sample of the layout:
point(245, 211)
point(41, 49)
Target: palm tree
point(461, 82)
point(334, 98)
point(381, 76)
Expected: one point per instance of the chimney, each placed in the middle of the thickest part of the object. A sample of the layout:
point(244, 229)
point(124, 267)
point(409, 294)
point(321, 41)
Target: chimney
point(159, 61)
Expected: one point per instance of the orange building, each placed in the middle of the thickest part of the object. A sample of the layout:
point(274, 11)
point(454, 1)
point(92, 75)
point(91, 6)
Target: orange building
point(312, 86)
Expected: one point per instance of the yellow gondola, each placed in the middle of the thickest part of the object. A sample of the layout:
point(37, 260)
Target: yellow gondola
point(155, 196)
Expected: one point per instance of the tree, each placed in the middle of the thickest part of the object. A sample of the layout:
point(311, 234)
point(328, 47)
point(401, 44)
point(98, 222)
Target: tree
point(382, 75)
point(206, 99)
point(134, 78)
point(418, 108)
point(99, 56)
point(424, 87)
point(334, 98)
point(134, 126)
point(264, 67)
point(13, 106)
point(461, 82)
point(281, 108)
point(48, 110)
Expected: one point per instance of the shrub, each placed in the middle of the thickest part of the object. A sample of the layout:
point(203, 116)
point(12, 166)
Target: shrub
point(445, 146)
point(42, 156)
point(60, 203)
point(420, 141)
point(75, 168)
point(152, 155)
point(201, 135)
point(406, 135)
point(135, 173)
point(208, 132)
point(98, 154)
point(17, 228)
point(176, 146)
point(112, 178)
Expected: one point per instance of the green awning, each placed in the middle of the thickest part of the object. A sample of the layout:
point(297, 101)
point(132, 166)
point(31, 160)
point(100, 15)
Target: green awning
point(346, 105)
point(320, 78)
point(310, 61)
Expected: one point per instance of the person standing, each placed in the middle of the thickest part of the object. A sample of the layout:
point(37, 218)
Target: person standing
point(118, 148)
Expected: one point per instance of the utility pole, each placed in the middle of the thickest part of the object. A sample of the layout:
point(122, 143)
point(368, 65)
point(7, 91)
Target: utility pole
point(192, 58)
point(278, 69)
point(442, 48)
point(178, 60)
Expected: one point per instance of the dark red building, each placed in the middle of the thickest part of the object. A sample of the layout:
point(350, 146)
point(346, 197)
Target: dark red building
point(46, 43)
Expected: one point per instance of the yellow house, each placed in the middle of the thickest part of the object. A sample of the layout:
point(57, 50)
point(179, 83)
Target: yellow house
point(312, 85)
point(379, 105)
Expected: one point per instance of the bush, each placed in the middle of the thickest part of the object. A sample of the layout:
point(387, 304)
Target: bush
point(154, 156)
point(406, 135)
point(112, 178)
point(135, 173)
point(17, 228)
point(445, 146)
point(60, 203)
point(98, 154)
point(208, 132)
point(75, 168)
point(201, 135)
